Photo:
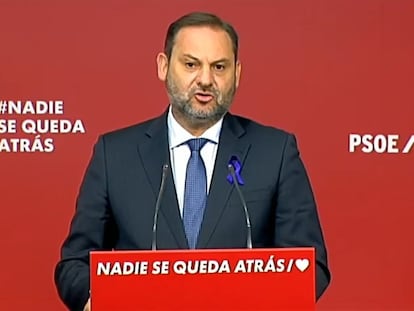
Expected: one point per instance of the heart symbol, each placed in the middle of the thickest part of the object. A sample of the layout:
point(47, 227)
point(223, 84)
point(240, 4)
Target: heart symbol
point(302, 264)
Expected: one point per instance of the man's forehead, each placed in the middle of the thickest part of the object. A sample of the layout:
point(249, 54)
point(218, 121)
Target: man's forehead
point(201, 40)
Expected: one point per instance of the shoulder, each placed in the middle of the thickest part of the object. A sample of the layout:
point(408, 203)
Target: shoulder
point(135, 132)
point(260, 130)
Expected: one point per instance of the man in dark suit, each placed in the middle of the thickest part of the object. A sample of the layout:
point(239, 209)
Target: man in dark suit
point(197, 138)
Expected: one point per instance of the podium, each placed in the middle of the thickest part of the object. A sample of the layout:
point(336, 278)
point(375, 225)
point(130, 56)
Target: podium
point(224, 279)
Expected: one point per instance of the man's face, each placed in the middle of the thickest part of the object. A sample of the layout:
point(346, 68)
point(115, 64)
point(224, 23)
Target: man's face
point(201, 76)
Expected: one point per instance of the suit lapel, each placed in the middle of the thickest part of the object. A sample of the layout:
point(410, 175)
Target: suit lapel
point(230, 144)
point(154, 153)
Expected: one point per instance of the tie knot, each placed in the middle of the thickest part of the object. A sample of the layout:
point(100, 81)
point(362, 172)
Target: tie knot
point(196, 144)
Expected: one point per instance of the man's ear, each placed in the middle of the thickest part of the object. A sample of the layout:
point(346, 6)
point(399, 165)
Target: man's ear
point(238, 73)
point(162, 66)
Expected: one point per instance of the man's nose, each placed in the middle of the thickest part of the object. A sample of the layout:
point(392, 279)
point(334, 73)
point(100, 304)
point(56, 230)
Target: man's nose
point(205, 77)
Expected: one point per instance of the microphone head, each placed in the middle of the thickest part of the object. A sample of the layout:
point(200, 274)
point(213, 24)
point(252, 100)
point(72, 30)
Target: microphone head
point(231, 168)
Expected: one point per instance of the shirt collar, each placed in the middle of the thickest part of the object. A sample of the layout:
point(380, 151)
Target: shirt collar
point(178, 135)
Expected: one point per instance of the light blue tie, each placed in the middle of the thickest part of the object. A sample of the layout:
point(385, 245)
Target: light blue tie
point(195, 193)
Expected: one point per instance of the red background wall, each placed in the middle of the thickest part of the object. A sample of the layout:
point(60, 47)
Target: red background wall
point(322, 69)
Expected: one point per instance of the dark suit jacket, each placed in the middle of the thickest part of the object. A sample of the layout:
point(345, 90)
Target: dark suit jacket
point(115, 206)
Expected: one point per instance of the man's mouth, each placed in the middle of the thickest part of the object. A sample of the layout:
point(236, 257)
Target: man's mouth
point(204, 97)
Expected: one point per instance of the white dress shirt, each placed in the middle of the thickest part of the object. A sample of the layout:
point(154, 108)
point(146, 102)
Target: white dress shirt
point(180, 153)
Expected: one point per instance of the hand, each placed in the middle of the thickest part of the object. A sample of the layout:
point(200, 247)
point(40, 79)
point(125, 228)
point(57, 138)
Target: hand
point(88, 305)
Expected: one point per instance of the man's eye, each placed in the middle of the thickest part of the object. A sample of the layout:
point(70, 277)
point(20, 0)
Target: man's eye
point(190, 65)
point(219, 67)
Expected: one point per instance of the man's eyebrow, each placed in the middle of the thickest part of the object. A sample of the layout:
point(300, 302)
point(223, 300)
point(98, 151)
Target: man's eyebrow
point(191, 56)
point(221, 60)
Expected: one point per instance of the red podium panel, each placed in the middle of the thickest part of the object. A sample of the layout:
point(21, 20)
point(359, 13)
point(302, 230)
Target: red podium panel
point(231, 279)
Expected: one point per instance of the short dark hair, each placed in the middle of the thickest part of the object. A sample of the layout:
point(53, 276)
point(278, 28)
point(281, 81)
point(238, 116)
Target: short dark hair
point(199, 19)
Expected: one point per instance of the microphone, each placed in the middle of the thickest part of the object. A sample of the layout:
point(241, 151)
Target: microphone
point(246, 212)
point(157, 207)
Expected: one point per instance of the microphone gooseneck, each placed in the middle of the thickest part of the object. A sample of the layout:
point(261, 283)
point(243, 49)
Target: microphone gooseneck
point(246, 212)
point(157, 206)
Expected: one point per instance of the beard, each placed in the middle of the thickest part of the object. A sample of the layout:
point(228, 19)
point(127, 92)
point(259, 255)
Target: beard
point(182, 101)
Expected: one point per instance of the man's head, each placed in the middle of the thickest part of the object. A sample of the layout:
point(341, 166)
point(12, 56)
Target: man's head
point(200, 68)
